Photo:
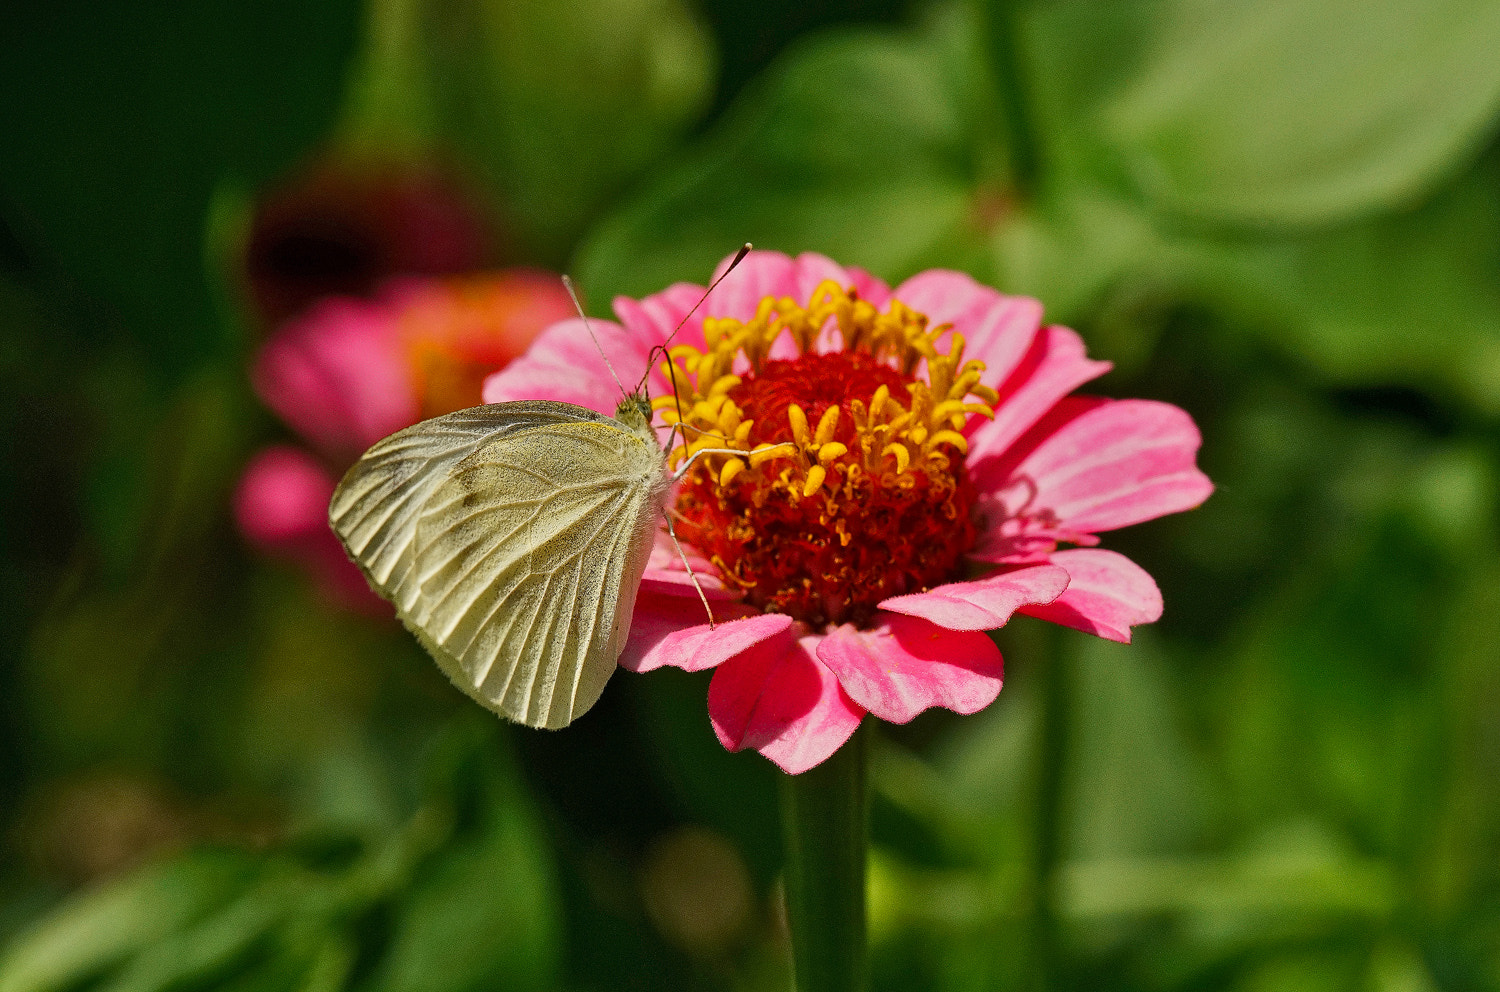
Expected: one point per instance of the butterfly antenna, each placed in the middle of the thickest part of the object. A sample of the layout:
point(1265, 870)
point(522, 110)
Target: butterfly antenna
point(568, 283)
point(739, 257)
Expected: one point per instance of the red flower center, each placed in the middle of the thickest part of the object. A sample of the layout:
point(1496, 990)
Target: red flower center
point(852, 488)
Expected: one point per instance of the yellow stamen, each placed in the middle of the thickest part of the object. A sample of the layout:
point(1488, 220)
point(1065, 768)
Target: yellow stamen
point(827, 424)
point(798, 421)
point(916, 430)
point(949, 437)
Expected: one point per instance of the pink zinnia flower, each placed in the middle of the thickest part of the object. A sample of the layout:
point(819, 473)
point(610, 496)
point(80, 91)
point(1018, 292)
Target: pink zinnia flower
point(348, 372)
point(931, 469)
point(345, 225)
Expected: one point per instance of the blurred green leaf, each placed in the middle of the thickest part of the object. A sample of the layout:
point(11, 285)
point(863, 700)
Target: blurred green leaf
point(859, 145)
point(1398, 967)
point(232, 939)
point(1138, 786)
point(1306, 972)
point(1296, 113)
point(1408, 298)
point(1294, 873)
point(100, 929)
point(553, 106)
point(484, 912)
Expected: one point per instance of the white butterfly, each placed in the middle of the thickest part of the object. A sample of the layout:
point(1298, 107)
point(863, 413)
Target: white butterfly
point(512, 539)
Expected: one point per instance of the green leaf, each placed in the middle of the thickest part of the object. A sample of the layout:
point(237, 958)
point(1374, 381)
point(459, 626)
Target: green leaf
point(857, 145)
point(1407, 298)
point(92, 933)
point(484, 912)
point(1400, 298)
point(554, 107)
point(1303, 113)
point(1133, 784)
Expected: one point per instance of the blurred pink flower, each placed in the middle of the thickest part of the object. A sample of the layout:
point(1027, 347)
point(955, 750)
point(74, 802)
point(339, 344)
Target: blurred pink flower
point(346, 225)
point(931, 468)
point(348, 372)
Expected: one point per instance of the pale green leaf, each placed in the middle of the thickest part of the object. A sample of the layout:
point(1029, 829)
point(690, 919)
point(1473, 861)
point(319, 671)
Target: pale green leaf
point(1280, 112)
point(95, 932)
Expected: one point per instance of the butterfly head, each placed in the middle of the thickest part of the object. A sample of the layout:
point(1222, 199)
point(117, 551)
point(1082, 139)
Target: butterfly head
point(634, 411)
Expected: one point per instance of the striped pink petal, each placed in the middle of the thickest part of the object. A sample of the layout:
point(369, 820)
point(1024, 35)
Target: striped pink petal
point(770, 273)
point(1107, 594)
point(870, 288)
point(780, 700)
point(983, 604)
point(1093, 465)
point(661, 633)
point(654, 318)
point(906, 665)
point(1056, 364)
point(998, 329)
point(564, 364)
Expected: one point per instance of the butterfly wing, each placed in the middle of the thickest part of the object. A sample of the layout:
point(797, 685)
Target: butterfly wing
point(516, 556)
point(375, 508)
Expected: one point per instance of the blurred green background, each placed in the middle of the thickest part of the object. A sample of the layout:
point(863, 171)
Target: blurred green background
point(1282, 215)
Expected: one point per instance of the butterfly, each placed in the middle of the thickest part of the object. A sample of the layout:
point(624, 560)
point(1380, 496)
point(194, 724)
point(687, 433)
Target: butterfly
point(512, 539)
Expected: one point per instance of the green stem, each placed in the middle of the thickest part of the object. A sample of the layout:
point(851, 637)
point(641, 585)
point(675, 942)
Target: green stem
point(824, 825)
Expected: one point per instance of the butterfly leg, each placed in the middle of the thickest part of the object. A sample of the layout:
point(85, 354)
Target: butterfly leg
point(672, 533)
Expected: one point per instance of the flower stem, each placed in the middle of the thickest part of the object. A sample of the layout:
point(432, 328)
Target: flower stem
point(824, 826)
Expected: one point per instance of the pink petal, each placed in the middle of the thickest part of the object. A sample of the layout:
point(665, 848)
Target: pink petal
point(1092, 465)
point(997, 329)
point(770, 273)
point(281, 506)
point(283, 497)
point(337, 375)
point(907, 665)
point(779, 699)
point(564, 364)
point(1020, 540)
point(654, 318)
point(1056, 364)
point(658, 636)
point(869, 287)
point(983, 604)
point(666, 573)
point(1107, 594)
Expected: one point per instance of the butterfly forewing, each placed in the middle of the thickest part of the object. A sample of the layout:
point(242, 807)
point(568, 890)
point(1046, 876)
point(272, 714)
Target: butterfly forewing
point(374, 510)
point(512, 539)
